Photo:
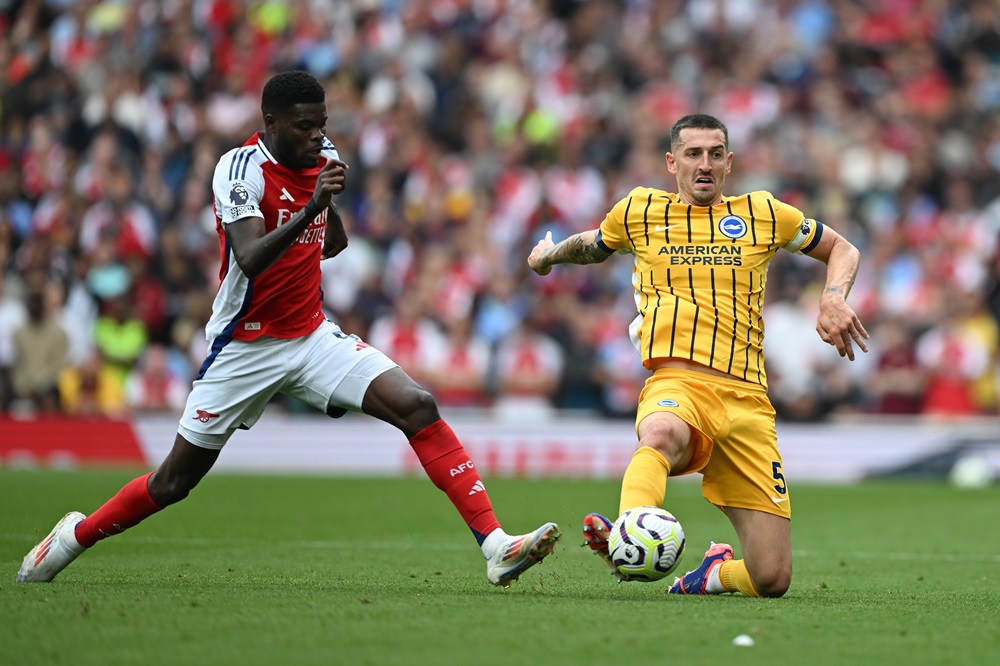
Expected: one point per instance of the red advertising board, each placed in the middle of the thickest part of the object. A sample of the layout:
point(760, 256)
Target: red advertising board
point(68, 442)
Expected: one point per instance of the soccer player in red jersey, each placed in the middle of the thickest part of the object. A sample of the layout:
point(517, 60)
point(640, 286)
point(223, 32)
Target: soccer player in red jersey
point(276, 221)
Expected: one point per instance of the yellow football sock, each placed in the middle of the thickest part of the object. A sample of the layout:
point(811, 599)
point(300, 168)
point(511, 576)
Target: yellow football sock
point(645, 480)
point(734, 577)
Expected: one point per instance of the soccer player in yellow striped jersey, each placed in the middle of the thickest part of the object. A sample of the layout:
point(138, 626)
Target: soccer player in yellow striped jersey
point(699, 275)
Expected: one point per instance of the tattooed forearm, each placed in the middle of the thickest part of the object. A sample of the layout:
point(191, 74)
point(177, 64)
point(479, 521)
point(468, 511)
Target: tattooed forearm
point(580, 248)
point(842, 268)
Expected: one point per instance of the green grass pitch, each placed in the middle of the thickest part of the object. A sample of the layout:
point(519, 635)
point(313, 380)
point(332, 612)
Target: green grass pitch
point(255, 569)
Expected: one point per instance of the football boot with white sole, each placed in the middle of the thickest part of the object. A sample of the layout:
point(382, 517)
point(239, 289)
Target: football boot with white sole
point(516, 554)
point(696, 582)
point(54, 553)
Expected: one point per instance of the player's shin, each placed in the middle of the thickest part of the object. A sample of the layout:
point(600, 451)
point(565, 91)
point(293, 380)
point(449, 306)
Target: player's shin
point(449, 467)
point(131, 505)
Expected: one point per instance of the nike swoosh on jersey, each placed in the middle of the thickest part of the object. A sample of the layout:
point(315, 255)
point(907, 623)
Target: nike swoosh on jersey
point(660, 227)
point(778, 500)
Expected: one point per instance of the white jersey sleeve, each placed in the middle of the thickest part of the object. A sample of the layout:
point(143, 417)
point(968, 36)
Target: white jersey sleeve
point(238, 184)
point(329, 150)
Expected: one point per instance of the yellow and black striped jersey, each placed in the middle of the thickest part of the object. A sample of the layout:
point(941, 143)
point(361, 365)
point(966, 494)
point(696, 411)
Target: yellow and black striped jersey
point(700, 273)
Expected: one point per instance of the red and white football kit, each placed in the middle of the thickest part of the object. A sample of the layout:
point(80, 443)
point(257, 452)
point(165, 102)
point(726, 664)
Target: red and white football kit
point(269, 334)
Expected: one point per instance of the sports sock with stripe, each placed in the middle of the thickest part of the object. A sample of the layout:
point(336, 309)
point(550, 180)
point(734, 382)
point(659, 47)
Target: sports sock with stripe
point(449, 467)
point(130, 506)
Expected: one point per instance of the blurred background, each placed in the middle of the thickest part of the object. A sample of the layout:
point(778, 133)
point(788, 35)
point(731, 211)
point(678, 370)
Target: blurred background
point(472, 127)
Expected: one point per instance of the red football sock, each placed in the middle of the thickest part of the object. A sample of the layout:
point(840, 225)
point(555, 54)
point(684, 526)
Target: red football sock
point(128, 508)
point(450, 469)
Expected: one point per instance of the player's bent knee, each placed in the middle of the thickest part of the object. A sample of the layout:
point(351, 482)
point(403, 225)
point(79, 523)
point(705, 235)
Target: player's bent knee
point(395, 398)
point(406, 406)
point(671, 439)
point(422, 409)
point(772, 583)
point(425, 411)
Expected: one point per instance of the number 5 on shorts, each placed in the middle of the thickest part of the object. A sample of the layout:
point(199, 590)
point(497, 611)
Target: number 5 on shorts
point(779, 487)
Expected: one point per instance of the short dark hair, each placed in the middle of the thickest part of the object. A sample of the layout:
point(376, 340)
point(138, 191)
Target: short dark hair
point(285, 90)
point(697, 121)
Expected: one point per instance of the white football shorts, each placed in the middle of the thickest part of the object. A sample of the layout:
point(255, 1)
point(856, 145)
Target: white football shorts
point(327, 369)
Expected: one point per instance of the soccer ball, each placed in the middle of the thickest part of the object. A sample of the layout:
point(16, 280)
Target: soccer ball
point(646, 543)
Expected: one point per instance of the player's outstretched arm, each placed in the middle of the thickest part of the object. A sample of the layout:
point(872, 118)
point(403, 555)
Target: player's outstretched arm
point(581, 248)
point(255, 250)
point(837, 324)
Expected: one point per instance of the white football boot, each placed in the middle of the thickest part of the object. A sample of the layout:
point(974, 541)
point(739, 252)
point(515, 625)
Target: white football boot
point(513, 555)
point(54, 553)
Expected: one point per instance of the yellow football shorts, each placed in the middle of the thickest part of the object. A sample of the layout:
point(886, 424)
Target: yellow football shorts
point(734, 435)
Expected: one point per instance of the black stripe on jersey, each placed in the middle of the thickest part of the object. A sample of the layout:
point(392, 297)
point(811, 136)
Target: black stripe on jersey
point(753, 229)
point(694, 327)
point(246, 163)
point(746, 362)
point(729, 207)
point(666, 222)
point(689, 223)
point(234, 167)
point(244, 160)
point(760, 327)
point(645, 218)
point(238, 167)
point(774, 225)
point(815, 241)
point(625, 223)
point(673, 328)
point(652, 329)
point(736, 321)
point(711, 226)
point(715, 329)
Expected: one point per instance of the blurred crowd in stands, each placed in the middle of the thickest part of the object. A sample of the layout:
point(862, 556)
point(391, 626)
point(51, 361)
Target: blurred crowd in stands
point(472, 127)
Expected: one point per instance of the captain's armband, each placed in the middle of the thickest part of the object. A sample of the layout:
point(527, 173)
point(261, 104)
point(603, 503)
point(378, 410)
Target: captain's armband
point(806, 238)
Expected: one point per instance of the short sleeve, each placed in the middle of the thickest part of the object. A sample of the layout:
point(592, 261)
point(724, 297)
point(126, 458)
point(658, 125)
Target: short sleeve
point(238, 185)
point(796, 232)
point(612, 233)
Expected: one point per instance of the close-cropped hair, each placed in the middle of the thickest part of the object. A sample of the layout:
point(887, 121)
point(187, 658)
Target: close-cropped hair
point(285, 90)
point(697, 121)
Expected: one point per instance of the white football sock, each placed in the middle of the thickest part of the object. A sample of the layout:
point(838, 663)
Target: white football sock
point(493, 541)
point(714, 583)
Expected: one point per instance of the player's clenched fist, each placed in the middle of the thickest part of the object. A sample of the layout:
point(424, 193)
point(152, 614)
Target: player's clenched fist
point(330, 181)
